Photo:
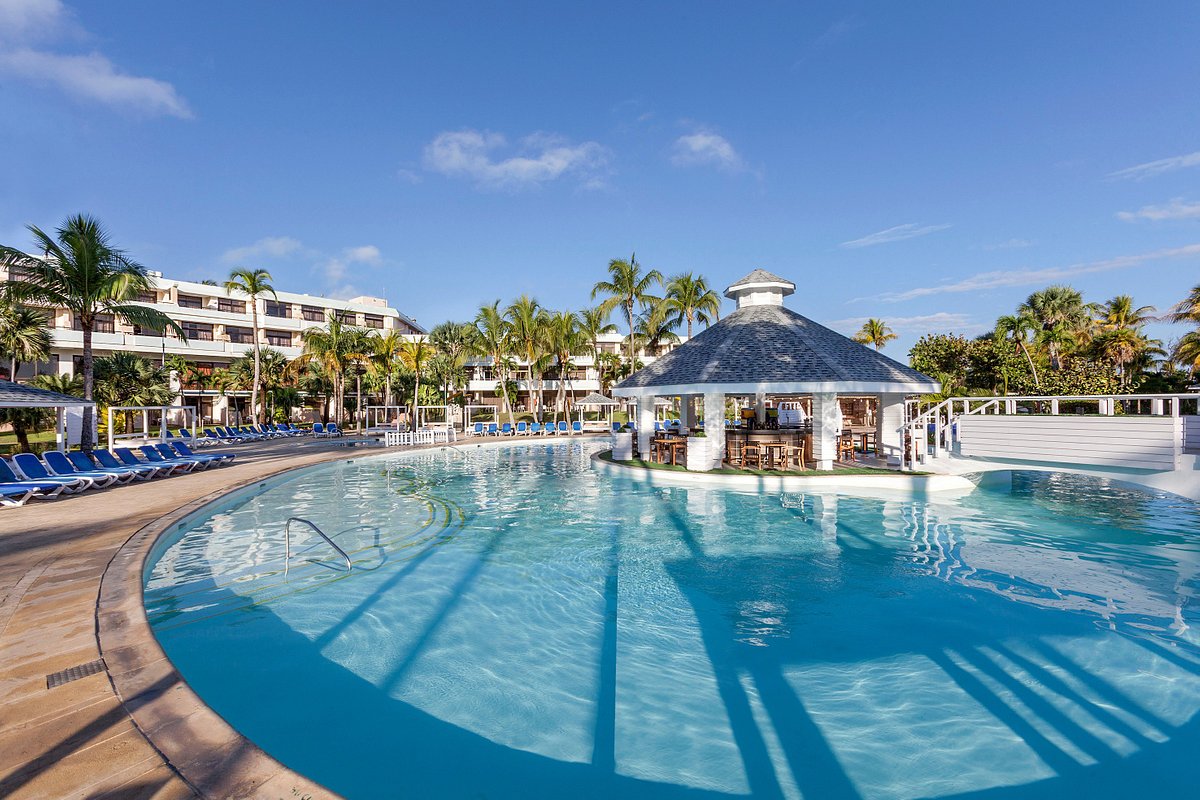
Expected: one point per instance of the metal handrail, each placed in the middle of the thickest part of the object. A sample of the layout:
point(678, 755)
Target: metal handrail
point(287, 542)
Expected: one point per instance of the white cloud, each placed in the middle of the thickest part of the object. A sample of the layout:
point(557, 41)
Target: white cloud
point(336, 269)
point(91, 76)
point(1152, 168)
point(1031, 277)
point(926, 323)
point(540, 158)
point(897, 234)
point(705, 148)
point(268, 247)
point(1176, 209)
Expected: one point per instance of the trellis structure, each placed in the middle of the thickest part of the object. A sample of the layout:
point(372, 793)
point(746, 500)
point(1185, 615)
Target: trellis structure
point(189, 413)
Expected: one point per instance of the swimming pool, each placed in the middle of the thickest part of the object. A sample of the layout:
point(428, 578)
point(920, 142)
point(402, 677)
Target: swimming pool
point(519, 625)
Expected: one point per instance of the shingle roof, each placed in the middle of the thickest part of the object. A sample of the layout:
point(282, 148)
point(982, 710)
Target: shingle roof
point(19, 395)
point(597, 399)
point(769, 344)
point(760, 276)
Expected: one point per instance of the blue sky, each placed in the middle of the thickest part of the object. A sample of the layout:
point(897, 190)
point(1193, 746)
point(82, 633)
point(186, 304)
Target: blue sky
point(929, 164)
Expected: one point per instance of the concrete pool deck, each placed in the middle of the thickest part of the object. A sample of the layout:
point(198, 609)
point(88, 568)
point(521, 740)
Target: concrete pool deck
point(133, 728)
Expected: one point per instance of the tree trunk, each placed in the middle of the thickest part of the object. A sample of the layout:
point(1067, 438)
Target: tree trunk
point(629, 319)
point(416, 399)
point(255, 400)
point(87, 430)
point(357, 402)
point(20, 431)
point(1036, 382)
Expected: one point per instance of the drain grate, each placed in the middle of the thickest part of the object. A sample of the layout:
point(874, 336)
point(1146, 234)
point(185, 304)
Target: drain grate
point(74, 673)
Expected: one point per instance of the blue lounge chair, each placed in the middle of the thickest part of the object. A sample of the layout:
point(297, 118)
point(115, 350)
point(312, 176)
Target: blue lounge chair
point(506, 429)
point(333, 430)
point(535, 428)
point(318, 429)
point(69, 468)
point(167, 455)
point(616, 426)
point(84, 463)
point(577, 427)
point(215, 458)
point(562, 426)
point(493, 429)
point(109, 461)
point(127, 456)
point(478, 429)
point(523, 428)
point(17, 491)
point(31, 468)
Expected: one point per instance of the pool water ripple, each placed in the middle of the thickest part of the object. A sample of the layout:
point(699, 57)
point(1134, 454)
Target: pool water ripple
point(518, 624)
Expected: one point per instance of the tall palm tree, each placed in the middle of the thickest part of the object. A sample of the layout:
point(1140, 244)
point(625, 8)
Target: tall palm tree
point(1063, 316)
point(1188, 309)
point(1122, 346)
point(627, 289)
point(387, 351)
point(565, 338)
point(24, 336)
point(493, 340)
point(527, 331)
point(1017, 328)
point(85, 274)
point(453, 341)
point(254, 283)
point(687, 298)
point(652, 330)
point(330, 346)
point(1187, 352)
point(874, 332)
point(1119, 314)
point(126, 379)
point(415, 355)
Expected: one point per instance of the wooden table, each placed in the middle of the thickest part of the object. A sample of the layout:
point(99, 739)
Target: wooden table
point(776, 453)
point(670, 444)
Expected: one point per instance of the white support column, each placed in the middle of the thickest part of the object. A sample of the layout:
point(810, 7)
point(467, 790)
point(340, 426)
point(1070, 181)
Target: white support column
point(1054, 406)
point(687, 411)
point(826, 429)
point(760, 409)
point(888, 421)
point(714, 427)
point(1156, 406)
point(645, 424)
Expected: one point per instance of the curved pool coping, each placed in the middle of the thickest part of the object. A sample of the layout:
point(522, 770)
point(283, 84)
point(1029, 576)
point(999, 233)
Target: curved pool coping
point(212, 757)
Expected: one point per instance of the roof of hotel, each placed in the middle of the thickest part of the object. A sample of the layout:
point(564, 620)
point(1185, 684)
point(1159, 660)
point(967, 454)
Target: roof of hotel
point(769, 348)
point(18, 395)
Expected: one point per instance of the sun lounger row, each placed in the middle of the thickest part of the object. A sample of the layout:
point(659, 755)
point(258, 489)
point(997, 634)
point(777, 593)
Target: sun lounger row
point(525, 428)
point(224, 434)
point(321, 431)
point(26, 476)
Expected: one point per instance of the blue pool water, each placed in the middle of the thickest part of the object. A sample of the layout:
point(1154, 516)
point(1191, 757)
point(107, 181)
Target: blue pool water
point(519, 625)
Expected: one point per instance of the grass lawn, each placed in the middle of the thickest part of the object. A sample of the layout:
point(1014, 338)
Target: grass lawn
point(840, 470)
point(8, 441)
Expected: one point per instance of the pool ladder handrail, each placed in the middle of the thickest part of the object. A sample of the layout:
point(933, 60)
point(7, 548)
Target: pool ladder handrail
point(287, 542)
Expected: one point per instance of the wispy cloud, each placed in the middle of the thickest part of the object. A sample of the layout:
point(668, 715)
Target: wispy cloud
point(267, 247)
point(540, 158)
point(940, 322)
point(897, 234)
point(337, 269)
point(1152, 168)
point(1031, 277)
point(91, 76)
point(705, 148)
point(1010, 244)
point(1176, 209)
point(830, 36)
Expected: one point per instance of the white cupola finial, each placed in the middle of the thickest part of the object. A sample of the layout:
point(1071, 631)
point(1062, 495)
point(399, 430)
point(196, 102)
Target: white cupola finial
point(760, 288)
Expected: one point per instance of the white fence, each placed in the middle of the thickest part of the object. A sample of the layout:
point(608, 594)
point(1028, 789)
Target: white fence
point(1191, 433)
point(430, 435)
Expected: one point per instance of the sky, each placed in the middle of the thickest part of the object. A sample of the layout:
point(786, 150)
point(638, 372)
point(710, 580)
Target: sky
point(927, 164)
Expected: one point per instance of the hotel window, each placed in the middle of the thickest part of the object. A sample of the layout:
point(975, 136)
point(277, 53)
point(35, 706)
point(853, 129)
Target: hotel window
point(346, 317)
point(312, 313)
point(231, 306)
point(147, 297)
point(197, 331)
point(276, 309)
point(138, 330)
point(103, 323)
point(239, 335)
point(279, 338)
point(373, 320)
point(190, 301)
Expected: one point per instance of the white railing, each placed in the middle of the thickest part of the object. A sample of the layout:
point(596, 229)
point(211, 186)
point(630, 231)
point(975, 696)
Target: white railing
point(429, 435)
point(934, 431)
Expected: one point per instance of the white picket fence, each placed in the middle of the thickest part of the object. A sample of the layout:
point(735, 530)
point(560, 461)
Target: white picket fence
point(428, 435)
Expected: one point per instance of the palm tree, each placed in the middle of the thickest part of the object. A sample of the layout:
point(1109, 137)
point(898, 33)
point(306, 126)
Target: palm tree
point(1063, 316)
point(687, 298)
point(652, 330)
point(453, 341)
point(61, 383)
point(565, 338)
point(387, 351)
point(627, 288)
point(126, 379)
point(527, 331)
point(493, 340)
point(1119, 314)
point(415, 355)
point(874, 332)
point(24, 336)
point(1188, 309)
point(1017, 328)
point(85, 274)
point(253, 283)
point(1187, 352)
point(329, 346)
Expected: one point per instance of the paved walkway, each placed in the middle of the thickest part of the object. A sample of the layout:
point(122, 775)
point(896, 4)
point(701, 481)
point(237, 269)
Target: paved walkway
point(78, 740)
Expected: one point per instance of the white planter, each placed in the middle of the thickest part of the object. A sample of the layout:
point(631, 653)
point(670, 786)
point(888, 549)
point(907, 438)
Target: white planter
point(622, 446)
point(698, 454)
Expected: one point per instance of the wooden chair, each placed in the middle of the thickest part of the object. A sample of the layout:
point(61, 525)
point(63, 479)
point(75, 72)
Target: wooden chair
point(846, 448)
point(752, 454)
point(794, 455)
point(733, 454)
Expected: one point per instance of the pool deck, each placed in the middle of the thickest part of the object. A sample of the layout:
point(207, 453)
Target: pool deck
point(91, 737)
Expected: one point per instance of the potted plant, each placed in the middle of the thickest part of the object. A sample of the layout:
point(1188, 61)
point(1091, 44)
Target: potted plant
point(622, 444)
point(698, 452)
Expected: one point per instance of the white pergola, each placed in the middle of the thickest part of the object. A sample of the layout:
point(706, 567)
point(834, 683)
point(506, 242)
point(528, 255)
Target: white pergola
point(765, 349)
point(600, 402)
point(18, 395)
